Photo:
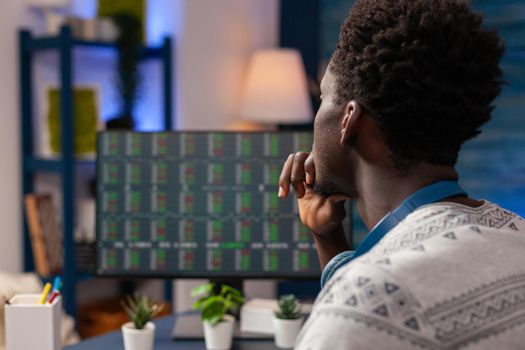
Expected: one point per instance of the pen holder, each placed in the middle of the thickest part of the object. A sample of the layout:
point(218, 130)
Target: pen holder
point(29, 325)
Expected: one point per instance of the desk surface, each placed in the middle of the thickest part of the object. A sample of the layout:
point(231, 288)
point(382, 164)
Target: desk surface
point(163, 340)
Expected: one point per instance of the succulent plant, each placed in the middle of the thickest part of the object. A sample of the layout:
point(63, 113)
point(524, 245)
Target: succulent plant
point(141, 310)
point(215, 305)
point(289, 308)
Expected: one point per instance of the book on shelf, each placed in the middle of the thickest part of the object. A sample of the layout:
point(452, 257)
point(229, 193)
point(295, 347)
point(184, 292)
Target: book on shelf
point(44, 231)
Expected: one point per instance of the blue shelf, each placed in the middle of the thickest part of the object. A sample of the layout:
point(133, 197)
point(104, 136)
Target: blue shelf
point(81, 277)
point(65, 164)
point(51, 165)
point(55, 43)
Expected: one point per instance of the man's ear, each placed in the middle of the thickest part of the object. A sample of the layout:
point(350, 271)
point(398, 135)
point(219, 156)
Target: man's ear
point(353, 113)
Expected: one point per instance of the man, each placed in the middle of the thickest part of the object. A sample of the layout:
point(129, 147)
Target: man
point(409, 83)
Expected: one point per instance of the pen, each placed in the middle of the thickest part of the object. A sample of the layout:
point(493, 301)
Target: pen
point(53, 296)
point(56, 283)
point(45, 292)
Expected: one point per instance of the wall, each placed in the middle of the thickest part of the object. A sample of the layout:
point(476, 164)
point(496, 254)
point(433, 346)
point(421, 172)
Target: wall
point(13, 15)
point(213, 41)
point(217, 39)
point(492, 165)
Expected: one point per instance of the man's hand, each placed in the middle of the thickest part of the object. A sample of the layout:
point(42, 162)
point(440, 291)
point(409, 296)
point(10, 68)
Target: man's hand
point(321, 214)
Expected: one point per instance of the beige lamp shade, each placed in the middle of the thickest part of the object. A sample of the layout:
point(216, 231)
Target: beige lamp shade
point(276, 89)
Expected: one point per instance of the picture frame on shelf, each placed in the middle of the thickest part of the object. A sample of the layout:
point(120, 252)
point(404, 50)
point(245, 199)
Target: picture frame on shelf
point(86, 123)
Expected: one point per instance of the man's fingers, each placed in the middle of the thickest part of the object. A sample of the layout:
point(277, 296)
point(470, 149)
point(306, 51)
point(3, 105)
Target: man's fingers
point(337, 198)
point(309, 168)
point(284, 179)
point(298, 173)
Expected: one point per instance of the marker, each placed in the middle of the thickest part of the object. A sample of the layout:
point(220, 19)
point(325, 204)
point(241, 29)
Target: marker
point(56, 283)
point(45, 292)
point(53, 296)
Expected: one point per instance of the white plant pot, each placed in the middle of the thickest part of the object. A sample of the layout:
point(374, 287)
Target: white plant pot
point(286, 332)
point(138, 339)
point(219, 336)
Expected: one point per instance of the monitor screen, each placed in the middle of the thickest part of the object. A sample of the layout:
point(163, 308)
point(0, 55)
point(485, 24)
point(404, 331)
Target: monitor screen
point(199, 204)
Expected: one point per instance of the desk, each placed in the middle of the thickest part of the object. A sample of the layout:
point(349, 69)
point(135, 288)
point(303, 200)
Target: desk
point(163, 340)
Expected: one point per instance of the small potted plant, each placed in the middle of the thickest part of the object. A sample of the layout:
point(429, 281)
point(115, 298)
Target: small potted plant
point(216, 305)
point(287, 321)
point(138, 334)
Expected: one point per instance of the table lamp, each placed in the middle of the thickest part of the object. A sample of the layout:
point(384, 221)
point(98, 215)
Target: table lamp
point(276, 89)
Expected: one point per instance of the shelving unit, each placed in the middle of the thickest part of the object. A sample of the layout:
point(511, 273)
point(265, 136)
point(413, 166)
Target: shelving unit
point(65, 164)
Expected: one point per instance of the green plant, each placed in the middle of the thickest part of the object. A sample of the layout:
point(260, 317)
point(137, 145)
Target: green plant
point(141, 310)
point(136, 8)
point(128, 44)
point(215, 305)
point(289, 308)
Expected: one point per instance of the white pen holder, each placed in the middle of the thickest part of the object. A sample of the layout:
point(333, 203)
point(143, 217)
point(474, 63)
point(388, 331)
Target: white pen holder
point(29, 325)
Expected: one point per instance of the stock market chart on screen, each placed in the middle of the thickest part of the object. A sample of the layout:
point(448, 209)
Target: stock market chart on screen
point(199, 204)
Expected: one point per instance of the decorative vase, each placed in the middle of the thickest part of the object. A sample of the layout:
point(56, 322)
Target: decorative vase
point(53, 21)
point(106, 30)
point(286, 331)
point(219, 336)
point(138, 339)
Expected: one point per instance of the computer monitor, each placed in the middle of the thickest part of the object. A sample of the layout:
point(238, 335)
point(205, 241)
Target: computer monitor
point(199, 204)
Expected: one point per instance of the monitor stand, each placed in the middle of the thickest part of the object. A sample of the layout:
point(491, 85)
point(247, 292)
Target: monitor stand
point(188, 326)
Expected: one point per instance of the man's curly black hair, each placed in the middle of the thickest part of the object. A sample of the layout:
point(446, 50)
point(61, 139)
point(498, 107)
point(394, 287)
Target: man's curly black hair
point(425, 70)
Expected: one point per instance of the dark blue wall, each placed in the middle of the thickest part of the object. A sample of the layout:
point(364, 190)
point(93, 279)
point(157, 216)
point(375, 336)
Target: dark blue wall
point(300, 28)
point(333, 13)
point(492, 166)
